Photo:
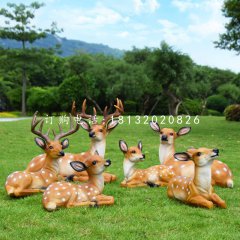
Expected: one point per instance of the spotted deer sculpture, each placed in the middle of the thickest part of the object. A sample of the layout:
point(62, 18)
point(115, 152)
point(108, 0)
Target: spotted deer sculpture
point(196, 191)
point(158, 175)
point(98, 134)
point(221, 173)
point(63, 194)
point(23, 183)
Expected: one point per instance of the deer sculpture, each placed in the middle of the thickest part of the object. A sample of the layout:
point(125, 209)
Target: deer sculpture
point(158, 175)
point(98, 134)
point(198, 190)
point(23, 183)
point(63, 194)
point(221, 173)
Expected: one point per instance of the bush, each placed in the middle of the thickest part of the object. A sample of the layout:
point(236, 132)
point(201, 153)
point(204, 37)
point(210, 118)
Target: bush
point(44, 100)
point(212, 112)
point(217, 102)
point(15, 98)
point(232, 112)
point(193, 106)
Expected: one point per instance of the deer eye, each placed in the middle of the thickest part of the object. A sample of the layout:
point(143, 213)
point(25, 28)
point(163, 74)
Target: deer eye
point(161, 132)
point(171, 134)
point(50, 147)
point(94, 162)
point(133, 151)
point(199, 154)
point(100, 130)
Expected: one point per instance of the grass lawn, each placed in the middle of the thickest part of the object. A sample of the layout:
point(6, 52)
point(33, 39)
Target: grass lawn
point(140, 213)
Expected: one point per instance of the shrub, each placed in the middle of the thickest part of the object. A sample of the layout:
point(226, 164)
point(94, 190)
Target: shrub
point(217, 102)
point(44, 100)
point(212, 112)
point(15, 98)
point(232, 112)
point(193, 106)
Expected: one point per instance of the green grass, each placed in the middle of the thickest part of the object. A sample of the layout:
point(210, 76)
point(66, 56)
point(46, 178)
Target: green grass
point(140, 213)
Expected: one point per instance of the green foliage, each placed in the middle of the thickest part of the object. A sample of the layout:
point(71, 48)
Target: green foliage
point(231, 38)
point(44, 100)
point(217, 102)
point(212, 112)
point(130, 106)
point(191, 107)
point(230, 91)
point(14, 97)
point(232, 112)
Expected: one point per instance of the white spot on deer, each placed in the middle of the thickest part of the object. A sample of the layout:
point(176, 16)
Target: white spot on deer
point(47, 180)
point(68, 193)
point(41, 159)
point(96, 191)
point(48, 192)
point(63, 199)
point(43, 171)
point(45, 198)
point(60, 160)
point(94, 197)
point(220, 162)
point(225, 169)
point(74, 189)
point(32, 165)
point(76, 193)
point(91, 189)
point(86, 186)
point(14, 179)
point(64, 188)
point(56, 188)
point(182, 188)
point(50, 175)
point(88, 193)
point(58, 193)
point(230, 174)
point(20, 176)
point(71, 156)
point(217, 172)
point(183, 166)
point(170, 167)
point(177, 186)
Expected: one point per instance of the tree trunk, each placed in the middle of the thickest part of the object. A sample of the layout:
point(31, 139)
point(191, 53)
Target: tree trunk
point(145, 105)
point(24, 89)
point(173, 104)
point(154, 105)
point(95, 104)
point(204, 105)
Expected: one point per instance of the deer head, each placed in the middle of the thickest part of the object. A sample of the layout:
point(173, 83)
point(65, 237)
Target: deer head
point(99, 131)
point(133, 154)
point(168, 135)
point(54, 149)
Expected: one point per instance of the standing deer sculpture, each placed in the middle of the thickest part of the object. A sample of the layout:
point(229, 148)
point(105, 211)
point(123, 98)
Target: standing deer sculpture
point(221, 173)
point(23, 183)
point(158, 175)
point(63, 194)
point(196, 191)
point(98, 134)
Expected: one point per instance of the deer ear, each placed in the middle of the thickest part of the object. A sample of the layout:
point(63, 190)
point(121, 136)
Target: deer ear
point(154, 126)
point(85, 125)
point(40, 142)
point(112, 124)
point(182, 156)
point(123, 146)
point(78, 166)
point(183, 131)
point(140, 145)
point(65, 143)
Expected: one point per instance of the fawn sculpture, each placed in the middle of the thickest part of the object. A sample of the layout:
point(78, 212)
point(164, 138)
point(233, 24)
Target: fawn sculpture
point(63, 194)
point(196, 191)
point(221, 173)
point(158, 175)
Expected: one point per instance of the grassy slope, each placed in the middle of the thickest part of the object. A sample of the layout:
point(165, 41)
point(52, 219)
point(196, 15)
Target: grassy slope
point(144, 213)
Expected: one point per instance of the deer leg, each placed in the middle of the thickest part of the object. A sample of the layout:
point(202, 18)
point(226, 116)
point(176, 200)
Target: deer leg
point(135, 183)
point(218, 201)
point(108, 177)
point(27, 192)
point(161, 183)
point(81, 204)
point(104, 200)
point(200, 201)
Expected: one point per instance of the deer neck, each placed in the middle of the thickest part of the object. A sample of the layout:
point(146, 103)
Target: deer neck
point(99, 146)
point(97, 181)
point(203, 177)
point(128, 168)
point(51, 165)
point(166, 152)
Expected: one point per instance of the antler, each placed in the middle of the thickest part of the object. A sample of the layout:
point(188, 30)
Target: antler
point(83, 114)
point(71, 131)
point(39, 132)
point(119, 110)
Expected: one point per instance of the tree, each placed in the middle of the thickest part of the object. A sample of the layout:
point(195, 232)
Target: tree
point(174, 70)
point(19, 27)
point(231, 38)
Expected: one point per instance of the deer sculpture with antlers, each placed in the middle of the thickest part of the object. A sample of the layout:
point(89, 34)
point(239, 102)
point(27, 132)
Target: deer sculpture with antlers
point(97, 133)
point(63, 194)
point(196, 191)
point(23, 183)
point(221, 173)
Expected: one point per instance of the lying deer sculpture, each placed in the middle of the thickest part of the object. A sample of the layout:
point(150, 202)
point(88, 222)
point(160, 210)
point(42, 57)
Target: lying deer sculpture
point(63, 194)
point(196, 191)
point(221, 173)
point(158, 175)
point(97, 133)
point(24, 183)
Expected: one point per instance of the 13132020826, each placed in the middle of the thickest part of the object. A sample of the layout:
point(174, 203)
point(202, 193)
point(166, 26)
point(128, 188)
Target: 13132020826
point(181, 119)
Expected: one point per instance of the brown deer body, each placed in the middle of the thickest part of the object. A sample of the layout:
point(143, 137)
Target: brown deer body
point(158, 175)
point(24, 183)
point(97, 133)
point(221, 173)
point(63, 194)
point(196, 191)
